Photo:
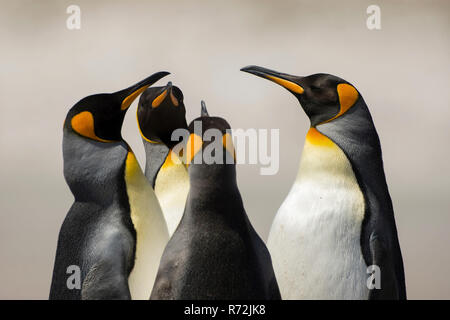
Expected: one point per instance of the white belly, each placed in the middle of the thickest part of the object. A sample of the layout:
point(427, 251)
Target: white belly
point(151, 230)
point(315, 237)
point(171, 188)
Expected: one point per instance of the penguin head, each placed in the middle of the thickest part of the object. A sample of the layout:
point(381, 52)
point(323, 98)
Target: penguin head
point(208, 135)
point(100, 117)
point(161, 111)
point(323, 97)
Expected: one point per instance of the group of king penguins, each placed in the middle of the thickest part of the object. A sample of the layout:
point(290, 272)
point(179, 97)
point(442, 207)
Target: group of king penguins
point(179, 230)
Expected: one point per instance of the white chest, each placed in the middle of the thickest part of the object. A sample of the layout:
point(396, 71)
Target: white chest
point(315, 237)
point(151, 230)
point(172, 188)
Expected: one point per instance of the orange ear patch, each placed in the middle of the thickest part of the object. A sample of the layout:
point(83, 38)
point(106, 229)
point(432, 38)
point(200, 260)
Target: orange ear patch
point(159, 99)
point(347, 96)
point(193, 146)
point(83, 124)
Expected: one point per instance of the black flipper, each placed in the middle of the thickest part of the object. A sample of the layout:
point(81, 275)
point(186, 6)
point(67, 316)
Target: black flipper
point(381, 258)
point(355, 134)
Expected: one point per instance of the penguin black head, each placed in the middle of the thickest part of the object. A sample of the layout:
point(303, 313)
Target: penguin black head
point(100, 116)
point(161, 111)
point(324, 97)
point(208, 135)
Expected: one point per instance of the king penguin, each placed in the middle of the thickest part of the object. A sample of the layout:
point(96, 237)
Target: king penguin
point(335, 233)
point(215, 253)
point(160, 113)
point(114, 233)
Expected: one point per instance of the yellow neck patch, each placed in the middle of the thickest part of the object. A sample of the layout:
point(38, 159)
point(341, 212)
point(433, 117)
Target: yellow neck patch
point(83, 124)
point(171, 160)
point(131, 165)
point(159, 99)
point(287, 84)
point(193, 146)
point(318, 139)
point(227, 142)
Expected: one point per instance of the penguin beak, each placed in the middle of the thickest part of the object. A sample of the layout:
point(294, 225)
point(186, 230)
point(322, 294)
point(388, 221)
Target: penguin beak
point(127, 96)
point(203, 111)
point(165, 91)
point(285, 80)
point(169, 86)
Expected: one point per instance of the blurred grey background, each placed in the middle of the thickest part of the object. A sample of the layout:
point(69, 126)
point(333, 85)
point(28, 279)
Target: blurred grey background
point(401, 70)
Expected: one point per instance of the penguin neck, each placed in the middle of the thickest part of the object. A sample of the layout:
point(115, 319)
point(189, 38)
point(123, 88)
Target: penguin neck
point(354, 127)
point(318, 157)
point(353, 133)
point(214, 191)
point(210, 176)
point(94, 170)
point(155, 155)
